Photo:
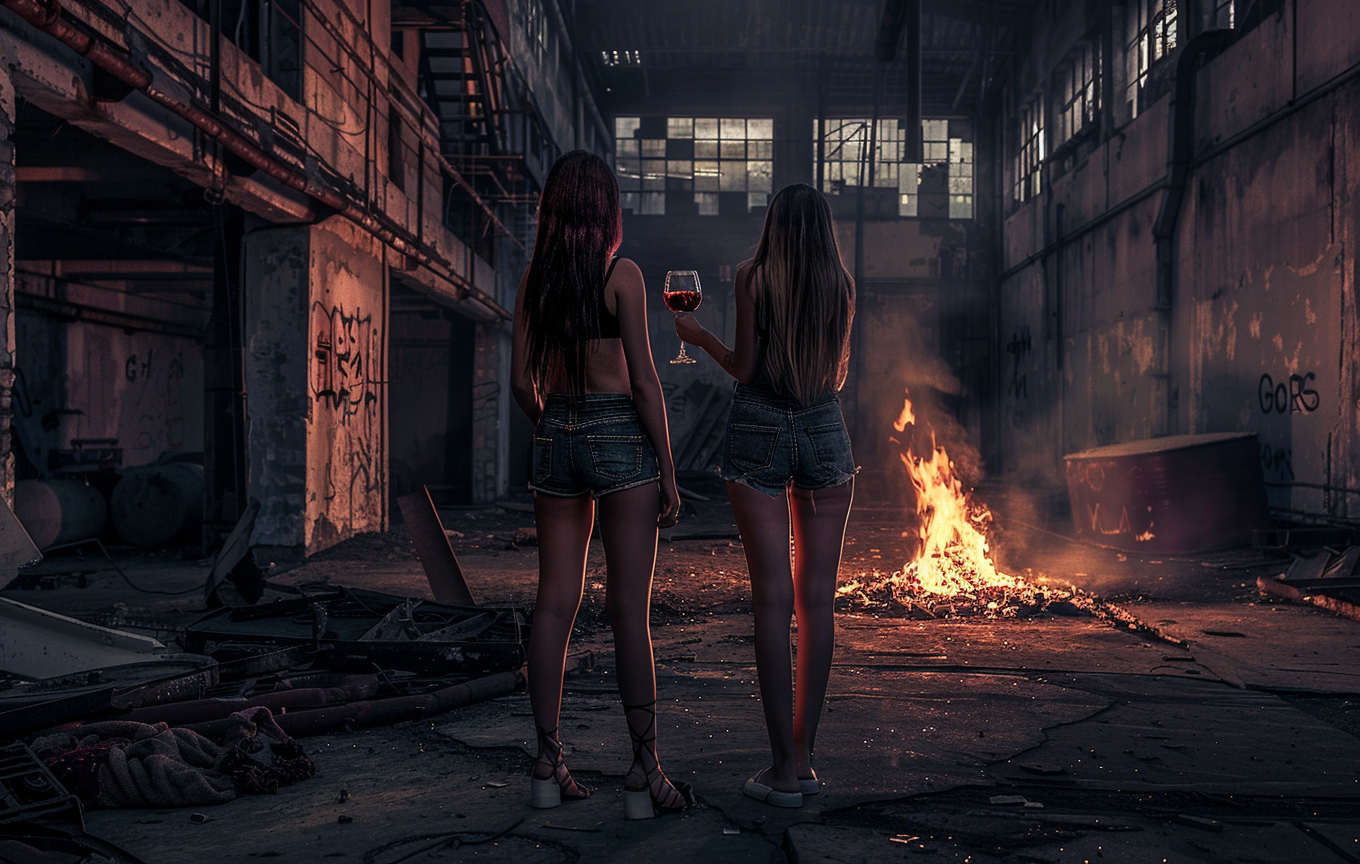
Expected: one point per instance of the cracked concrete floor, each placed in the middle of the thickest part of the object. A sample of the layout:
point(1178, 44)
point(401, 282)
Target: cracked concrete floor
point(1046, 739)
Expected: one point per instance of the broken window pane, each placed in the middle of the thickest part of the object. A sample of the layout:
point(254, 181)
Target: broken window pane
point(759, 176)
point(653, 203)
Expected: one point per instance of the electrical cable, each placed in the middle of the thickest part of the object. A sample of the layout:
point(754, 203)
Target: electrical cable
point(119, 570)
point(371, 856)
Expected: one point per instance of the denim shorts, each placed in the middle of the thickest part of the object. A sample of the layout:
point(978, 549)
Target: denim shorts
point(591, 444)
point(772, 441)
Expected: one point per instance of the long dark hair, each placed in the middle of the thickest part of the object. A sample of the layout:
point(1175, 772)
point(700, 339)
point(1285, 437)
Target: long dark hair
point(579, 230)
point(805, 299)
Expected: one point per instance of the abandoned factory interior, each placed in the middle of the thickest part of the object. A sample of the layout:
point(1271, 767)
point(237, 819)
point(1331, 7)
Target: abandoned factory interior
point(325, 452)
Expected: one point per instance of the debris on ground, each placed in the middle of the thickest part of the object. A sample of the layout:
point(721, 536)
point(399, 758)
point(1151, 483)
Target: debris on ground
point(1329, 579)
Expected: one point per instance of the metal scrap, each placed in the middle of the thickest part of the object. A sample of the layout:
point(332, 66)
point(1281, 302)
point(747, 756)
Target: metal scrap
point(350, 628)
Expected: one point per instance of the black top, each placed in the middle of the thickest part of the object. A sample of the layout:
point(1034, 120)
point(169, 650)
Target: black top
point(609, 323)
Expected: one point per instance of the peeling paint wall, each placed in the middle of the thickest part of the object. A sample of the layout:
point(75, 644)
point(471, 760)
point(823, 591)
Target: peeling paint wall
point(346, 386)
point(1261, 335)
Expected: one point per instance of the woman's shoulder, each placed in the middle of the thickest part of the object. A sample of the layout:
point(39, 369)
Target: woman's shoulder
point(627, 267)
point(744, 280)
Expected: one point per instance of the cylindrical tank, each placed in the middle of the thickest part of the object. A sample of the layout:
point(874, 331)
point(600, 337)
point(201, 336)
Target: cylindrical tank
point(155, 505)
point(59, 511)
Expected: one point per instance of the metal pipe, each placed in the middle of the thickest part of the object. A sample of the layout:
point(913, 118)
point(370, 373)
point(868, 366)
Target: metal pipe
point(48, 16)
point(1180, 144)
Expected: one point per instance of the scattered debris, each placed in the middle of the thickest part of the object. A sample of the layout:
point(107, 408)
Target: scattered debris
point(1200, 822)
point(235, 579)
point(16, 547)
point(35, 643)
point(432, 545)
point(1288, 540)
point(1329, 579)
point(355, 629)
point(30, 791)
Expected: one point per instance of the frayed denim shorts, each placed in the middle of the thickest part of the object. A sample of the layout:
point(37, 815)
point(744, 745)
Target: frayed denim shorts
point(773, 441)
point(591, 444)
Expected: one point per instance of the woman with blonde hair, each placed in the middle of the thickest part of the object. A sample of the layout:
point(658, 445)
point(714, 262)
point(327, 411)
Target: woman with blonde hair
point(788, 465)
point(582, 370)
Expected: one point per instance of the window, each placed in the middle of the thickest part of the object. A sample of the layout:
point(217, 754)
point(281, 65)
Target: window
point(1225, 14)
point(947, 169)
point(1029, 157)
point(1078, 83)
point(695, 162)
point(535, 22)
point(960, 179)
point(270, 31)
point(1152, 28)
point(621, 58)
point(396, 150)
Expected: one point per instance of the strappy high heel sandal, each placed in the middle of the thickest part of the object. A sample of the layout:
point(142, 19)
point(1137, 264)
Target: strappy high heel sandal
point(660, 795)
point(545, 792)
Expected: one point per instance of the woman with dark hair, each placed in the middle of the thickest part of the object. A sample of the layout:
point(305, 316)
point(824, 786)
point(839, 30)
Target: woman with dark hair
point(788, 464)
point(582, 370)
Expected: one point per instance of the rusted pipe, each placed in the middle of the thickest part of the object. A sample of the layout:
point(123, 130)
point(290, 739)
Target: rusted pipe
point(48, 16)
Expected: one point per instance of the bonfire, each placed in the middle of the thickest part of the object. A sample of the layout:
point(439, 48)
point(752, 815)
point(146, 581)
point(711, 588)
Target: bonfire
point(952, 571)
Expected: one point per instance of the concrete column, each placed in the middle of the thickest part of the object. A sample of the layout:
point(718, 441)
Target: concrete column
point(316, 379)
point(275, 264)
point(487, 394)
point(7, 195)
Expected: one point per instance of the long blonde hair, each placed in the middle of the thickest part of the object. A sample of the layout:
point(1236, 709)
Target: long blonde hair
point(805, 299)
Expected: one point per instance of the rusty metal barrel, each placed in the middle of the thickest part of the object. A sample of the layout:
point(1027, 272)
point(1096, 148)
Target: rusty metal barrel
point(158, 504)
point(59, 511)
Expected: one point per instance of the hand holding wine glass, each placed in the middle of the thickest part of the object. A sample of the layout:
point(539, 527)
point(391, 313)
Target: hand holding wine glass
point(682, 293)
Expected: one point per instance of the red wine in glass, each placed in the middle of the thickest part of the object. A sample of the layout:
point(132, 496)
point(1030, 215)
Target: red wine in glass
point(682, 293)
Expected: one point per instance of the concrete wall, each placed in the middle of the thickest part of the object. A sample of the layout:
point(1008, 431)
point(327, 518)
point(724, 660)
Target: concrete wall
point(77, 380)
point(7, 108)
point(276, 269)
point(347, 386)
point(1261, 332)
point(316, 381)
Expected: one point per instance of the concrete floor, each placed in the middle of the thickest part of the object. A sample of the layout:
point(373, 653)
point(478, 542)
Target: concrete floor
point(1047, 739)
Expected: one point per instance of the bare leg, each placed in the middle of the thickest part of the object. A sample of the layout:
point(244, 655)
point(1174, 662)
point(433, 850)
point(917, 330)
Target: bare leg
point(764, 525)
point(818, 532)
point(628, 530)
point(564, 526)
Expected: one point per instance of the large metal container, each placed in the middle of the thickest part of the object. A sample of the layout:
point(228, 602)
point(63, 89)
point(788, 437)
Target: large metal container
point(59, 511)
point(158, 504)
point(1180, 494)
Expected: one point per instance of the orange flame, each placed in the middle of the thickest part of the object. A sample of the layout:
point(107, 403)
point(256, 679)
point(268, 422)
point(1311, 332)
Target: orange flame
point(952, 558)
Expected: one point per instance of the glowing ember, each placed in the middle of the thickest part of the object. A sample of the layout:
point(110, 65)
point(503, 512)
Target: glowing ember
point(951, 560)
point(952, 573)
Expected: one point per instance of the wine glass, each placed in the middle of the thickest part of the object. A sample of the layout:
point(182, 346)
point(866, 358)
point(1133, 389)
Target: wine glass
point(682, 293)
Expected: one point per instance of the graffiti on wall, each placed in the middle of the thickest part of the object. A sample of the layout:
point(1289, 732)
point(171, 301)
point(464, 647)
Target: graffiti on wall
point(1019, 348)
point(1290, 395)
point(155, 387)
point(344, 354)
point(346, 380)
point(1277, 462)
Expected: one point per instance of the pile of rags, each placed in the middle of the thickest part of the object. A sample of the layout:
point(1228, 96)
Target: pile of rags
point(122, 763)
